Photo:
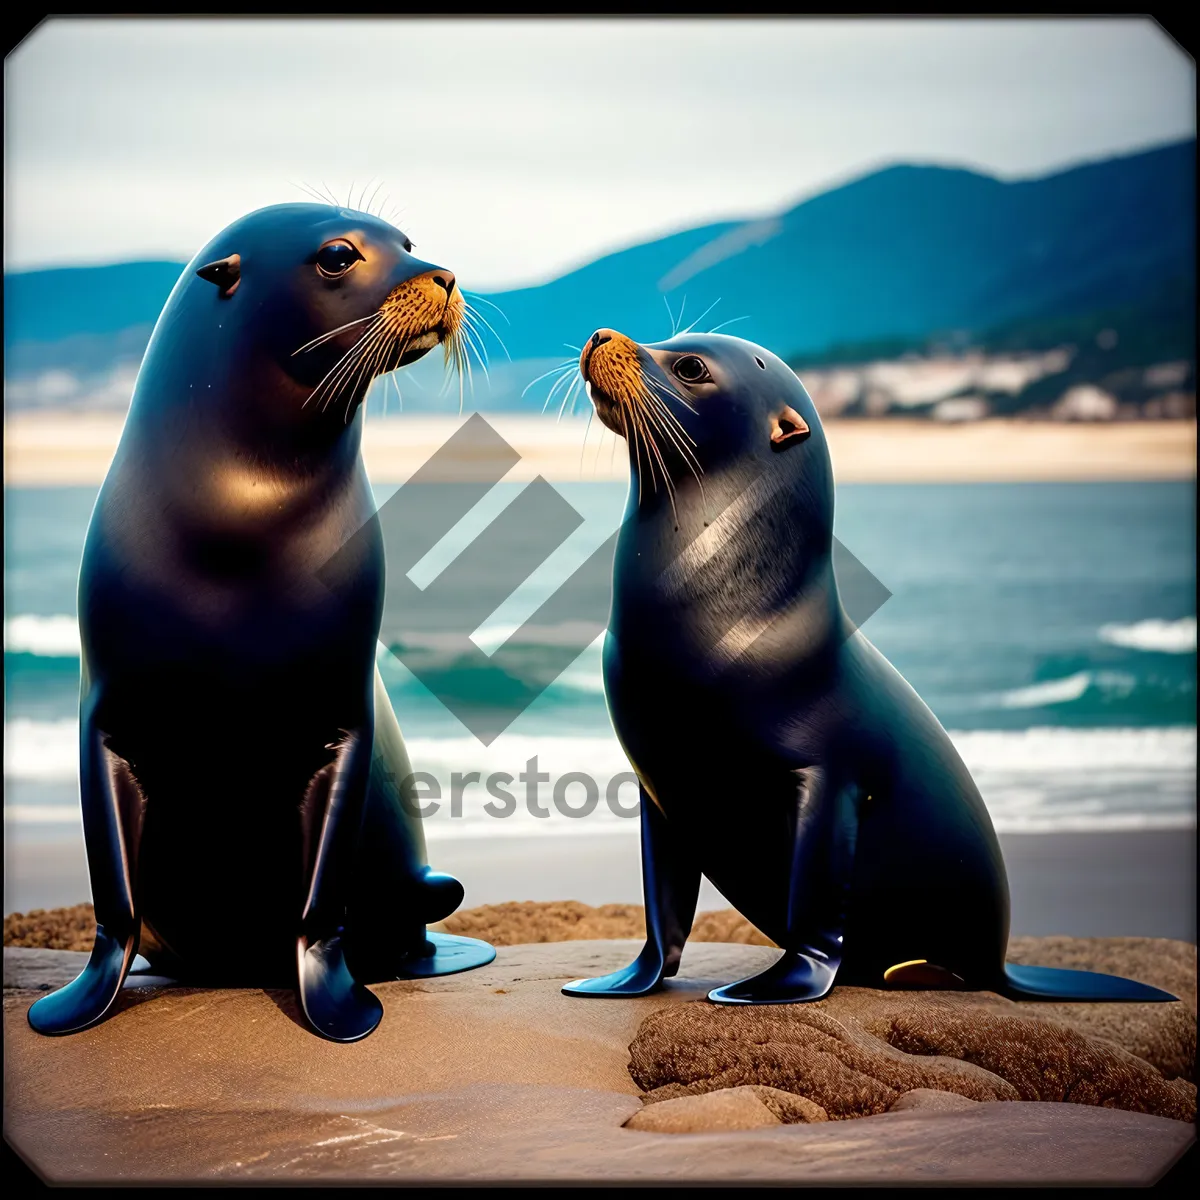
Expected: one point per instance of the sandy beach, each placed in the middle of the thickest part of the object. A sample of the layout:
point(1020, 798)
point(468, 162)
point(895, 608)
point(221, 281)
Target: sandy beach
point(50, 449)
point(495, 1075)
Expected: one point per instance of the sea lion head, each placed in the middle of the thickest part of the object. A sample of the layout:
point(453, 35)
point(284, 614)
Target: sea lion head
point(299, 307)
point(705, 410)
point(726, 552)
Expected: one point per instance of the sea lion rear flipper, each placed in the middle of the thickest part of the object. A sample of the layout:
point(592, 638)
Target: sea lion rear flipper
point(395, 893)
point(1055, 983)
point(826, 830)
point(671, 886)
point(336, 1005)
point(112, 824)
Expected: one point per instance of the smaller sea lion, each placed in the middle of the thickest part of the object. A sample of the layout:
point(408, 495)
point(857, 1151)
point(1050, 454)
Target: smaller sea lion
point(779, 753)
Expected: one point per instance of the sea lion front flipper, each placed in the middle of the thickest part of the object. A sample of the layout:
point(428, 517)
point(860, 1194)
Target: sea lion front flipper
point(671, 886)
point(336, 1005)
point(112, 824)
point(826, 830)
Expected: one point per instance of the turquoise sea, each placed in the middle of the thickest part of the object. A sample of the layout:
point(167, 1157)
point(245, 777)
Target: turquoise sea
point(1051, 628)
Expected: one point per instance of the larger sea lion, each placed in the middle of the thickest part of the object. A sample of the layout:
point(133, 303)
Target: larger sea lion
point(779, 753)
point(242, 772)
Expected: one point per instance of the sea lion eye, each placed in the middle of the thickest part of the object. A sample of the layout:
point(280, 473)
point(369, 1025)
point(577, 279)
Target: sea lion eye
point(336, 258)
point(690, 369)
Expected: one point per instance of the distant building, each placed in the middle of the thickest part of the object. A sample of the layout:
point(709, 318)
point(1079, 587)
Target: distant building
point(961, 408)
point(1085, 402)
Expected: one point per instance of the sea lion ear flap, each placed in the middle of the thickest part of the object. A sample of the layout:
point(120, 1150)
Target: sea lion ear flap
point(787, 428)
point(226, 273)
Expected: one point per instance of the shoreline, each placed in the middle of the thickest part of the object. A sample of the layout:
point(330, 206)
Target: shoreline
point(75, 448)
point(1139, 883)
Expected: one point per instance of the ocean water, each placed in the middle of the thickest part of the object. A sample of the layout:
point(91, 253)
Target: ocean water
point(1051, 628)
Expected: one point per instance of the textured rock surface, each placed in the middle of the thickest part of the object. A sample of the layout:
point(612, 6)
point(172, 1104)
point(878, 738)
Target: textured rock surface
point(490, 1075)
point(928, 1100)
point(856, 1052)
point(729, 1108)
point(71, 928)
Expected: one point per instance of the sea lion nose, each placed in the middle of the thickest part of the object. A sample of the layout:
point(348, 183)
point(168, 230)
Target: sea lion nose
point(593, 343)
point(444, 279)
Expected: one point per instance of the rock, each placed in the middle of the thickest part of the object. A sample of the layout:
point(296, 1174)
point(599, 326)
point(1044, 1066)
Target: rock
point(855, 1052)
point(1162, 1034)
point(727, 1108)
point(931, 1100)
point(788, 1107)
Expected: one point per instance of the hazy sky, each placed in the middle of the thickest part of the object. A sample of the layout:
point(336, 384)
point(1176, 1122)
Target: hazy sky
point(516, 149)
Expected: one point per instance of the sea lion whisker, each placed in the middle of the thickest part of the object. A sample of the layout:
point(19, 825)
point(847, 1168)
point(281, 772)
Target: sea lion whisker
point(470, 308)
point(675, 321)
point(654, 427)
point(368, 370)
point(373, 195)
point(473, 296)
point(330, 388)
point(375, 362)
point(657, 401)
point(632, 434)
point(672, 428)
point(652, 445)
point(578, 349)
point(729, 322)
point(333, 382)
point(476, 337)
point(571, 392)
point(667, 393)
point(586, 430)
point(563, 380)
point(567, 395)
point(701, 316)
point(670, 314)
point(668, 482)
point(690, 461)
point(473, 344)
point(464, 362)
point(562, 366)
point(317, 341)
point(653, 451)
point(308, 190)
point(336, 366)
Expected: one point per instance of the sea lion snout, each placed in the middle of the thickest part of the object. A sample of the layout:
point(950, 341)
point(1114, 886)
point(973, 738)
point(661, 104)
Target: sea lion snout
point(610, 363)
point(600, 338)
point(425, 309)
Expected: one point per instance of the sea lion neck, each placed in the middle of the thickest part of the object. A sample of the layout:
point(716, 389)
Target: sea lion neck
point(699, 581)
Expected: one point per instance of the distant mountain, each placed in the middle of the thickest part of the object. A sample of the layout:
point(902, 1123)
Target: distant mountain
point(904, 251)
point(901, 255)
